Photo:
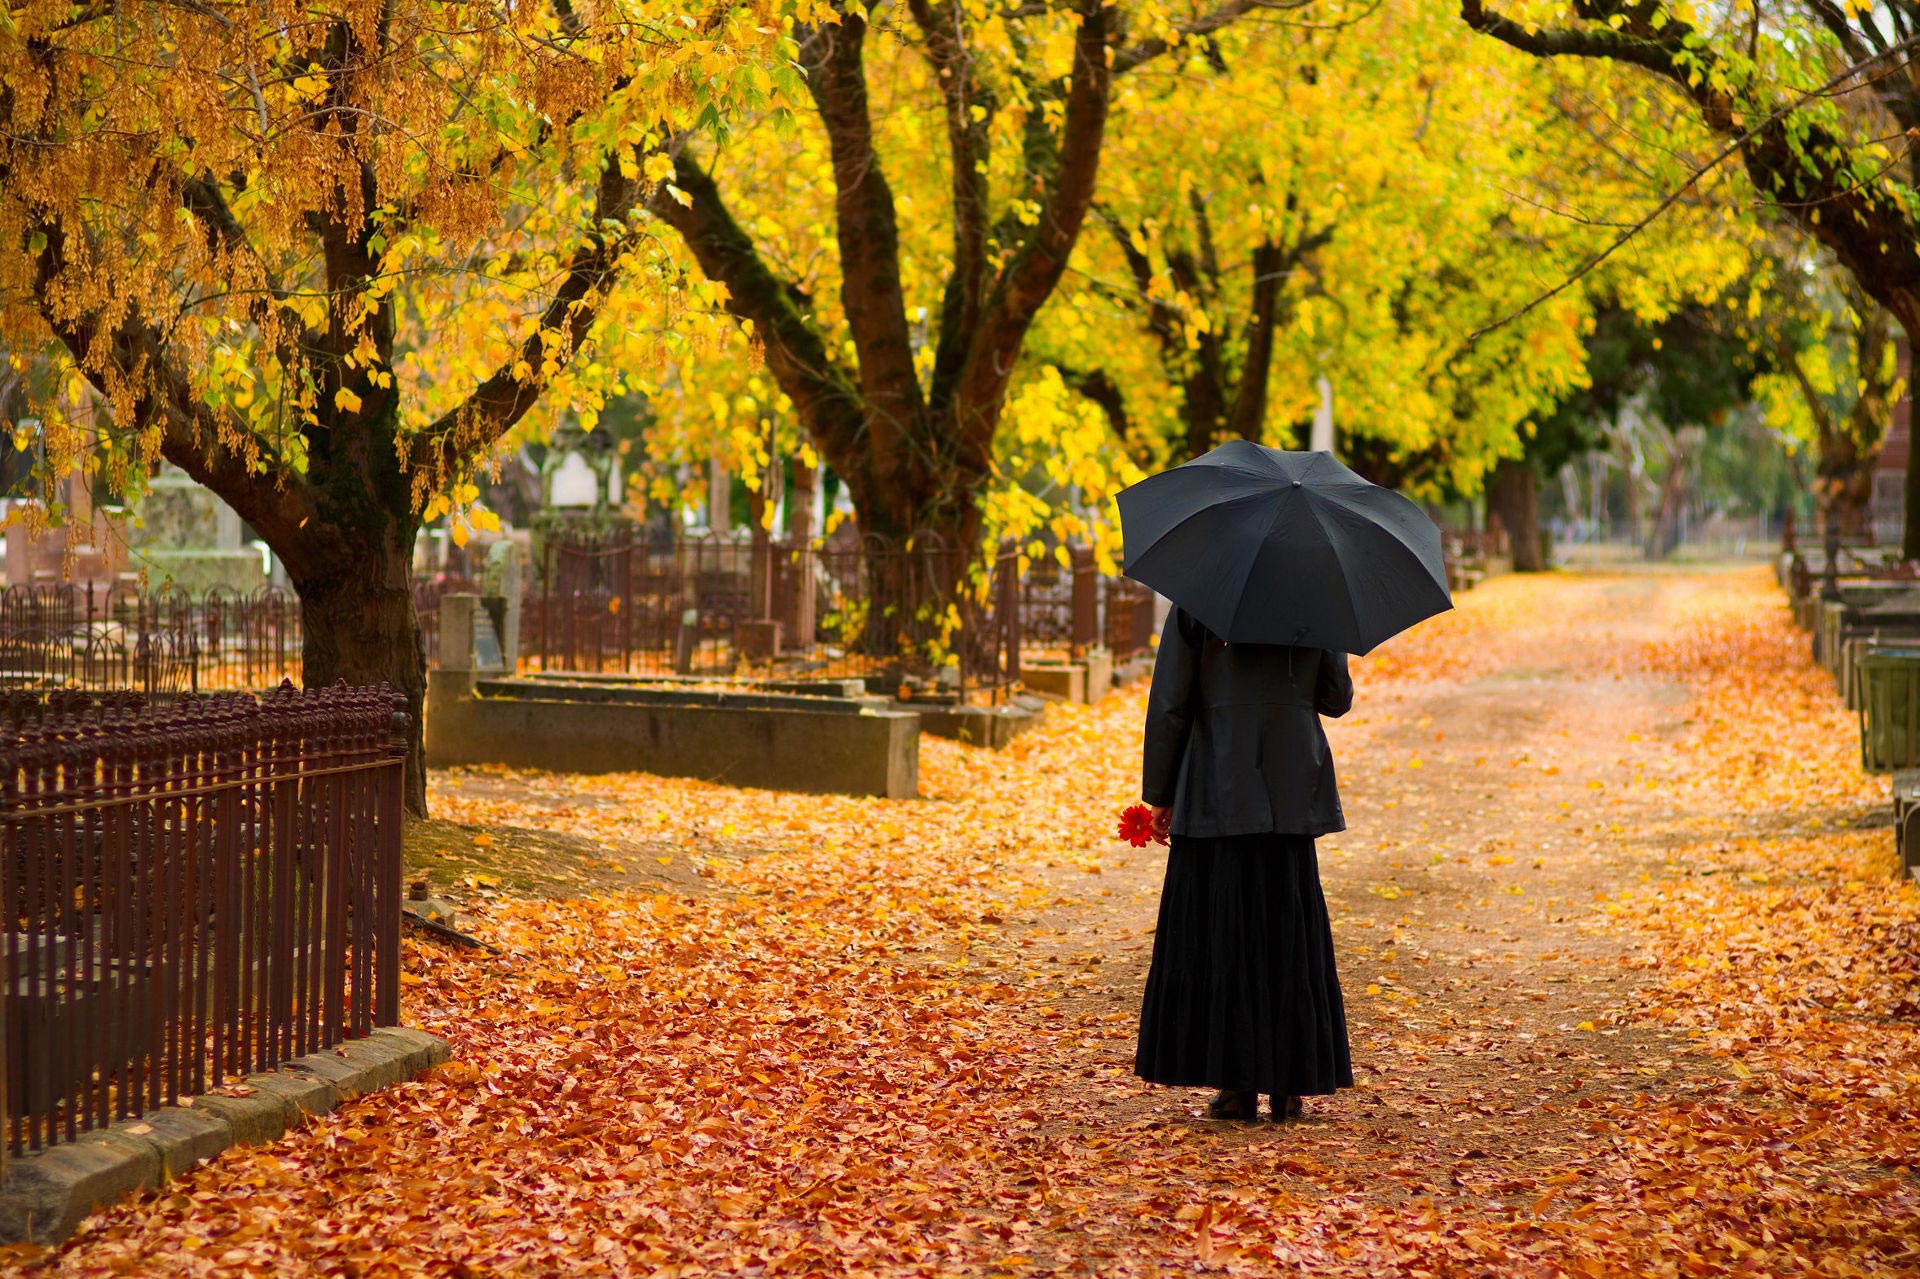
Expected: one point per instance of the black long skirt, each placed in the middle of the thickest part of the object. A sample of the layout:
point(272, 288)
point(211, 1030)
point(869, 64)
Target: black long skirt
point(1242, 993)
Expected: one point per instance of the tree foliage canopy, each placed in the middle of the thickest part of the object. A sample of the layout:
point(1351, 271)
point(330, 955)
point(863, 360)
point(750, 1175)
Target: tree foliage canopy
point(322, 257)
point(1816, 98)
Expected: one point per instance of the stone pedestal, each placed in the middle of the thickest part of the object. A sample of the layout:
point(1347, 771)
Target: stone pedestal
point(468, 641)
point(758, 641)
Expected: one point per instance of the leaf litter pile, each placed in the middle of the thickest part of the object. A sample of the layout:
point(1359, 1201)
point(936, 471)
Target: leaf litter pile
point(1631, 980)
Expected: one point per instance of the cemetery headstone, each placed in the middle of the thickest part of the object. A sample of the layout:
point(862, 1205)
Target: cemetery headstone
point(186, 535)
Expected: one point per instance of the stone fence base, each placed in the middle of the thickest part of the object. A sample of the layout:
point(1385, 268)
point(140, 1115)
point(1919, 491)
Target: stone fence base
point(48, 1193)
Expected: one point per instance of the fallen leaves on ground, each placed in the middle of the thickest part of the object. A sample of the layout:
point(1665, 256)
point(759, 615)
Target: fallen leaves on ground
point(876, 1040)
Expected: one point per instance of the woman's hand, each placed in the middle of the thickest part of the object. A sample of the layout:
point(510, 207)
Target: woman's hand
point(1162, 820)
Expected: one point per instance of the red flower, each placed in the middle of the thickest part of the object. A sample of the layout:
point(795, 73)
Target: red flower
point(1136, 826)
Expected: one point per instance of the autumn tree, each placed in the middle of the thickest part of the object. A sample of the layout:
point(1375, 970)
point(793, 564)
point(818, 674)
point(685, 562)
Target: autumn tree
point(1378, 210)
point(1212, 224)
point(322, 258)
point(1834, 380)
point(1687, 372)
point(1223, 368)
point(1813, 97)
point(895, 355)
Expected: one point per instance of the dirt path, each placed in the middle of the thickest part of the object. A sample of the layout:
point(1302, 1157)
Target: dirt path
point(1496, 814)
point(1487, 813)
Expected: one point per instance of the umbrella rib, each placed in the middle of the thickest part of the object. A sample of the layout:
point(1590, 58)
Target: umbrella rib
point(1253, 561)
point(1353, 614)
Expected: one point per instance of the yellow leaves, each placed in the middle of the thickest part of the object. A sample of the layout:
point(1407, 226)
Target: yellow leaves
point(346, 401)
point(312, 85)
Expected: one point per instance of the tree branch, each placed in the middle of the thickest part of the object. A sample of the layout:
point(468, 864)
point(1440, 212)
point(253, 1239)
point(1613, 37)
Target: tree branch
point(823, 395)
point(944, 30)
point(869, 235)
point(1125, 60)
point(1656, 55)
point(1029, 278)
point(478, 422)
point(1816, 402)
point(269, 495)
point(1804, 170)
point(1096, 386)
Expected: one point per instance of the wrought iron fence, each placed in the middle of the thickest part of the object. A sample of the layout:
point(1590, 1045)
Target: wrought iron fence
point(716, 606)
point(843, 607)
point(82, 635)
point(1129, 616)
point(1068, 610)
point(1058, 603)
point(608, 602)
point(194, 892)
point(913, 608)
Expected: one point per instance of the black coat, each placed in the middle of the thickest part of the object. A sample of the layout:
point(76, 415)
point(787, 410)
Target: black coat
point(1234, 743)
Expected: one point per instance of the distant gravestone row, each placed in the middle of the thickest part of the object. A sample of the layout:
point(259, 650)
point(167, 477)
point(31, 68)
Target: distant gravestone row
point(1860, 607)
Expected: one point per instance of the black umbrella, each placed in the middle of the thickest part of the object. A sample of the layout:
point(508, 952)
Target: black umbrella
point(1270, 547)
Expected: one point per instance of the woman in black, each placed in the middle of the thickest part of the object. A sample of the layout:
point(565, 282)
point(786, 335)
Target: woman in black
point(1242, 995)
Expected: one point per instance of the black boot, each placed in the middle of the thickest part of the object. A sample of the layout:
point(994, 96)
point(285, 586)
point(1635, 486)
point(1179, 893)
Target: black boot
point(1229, 1103)
point(1286, 1109)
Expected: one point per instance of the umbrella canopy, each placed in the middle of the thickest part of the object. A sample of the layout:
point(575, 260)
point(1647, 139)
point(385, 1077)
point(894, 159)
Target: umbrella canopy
point(1270, 547)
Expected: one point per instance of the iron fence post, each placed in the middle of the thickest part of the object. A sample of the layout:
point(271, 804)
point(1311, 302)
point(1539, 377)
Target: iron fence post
point(1008, 572)
point(1085, 603)
point(388, 848)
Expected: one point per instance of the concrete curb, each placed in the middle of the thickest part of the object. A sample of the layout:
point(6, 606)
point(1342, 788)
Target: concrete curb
point(49, 1192)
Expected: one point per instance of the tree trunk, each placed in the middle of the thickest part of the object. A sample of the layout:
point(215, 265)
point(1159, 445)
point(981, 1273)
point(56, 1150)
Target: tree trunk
point(361, 627)
point(1845, 488)
point(1512, 496)
point(923, 533)
point(1665, 536)
point(1204, 406)
point(1908, 317)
